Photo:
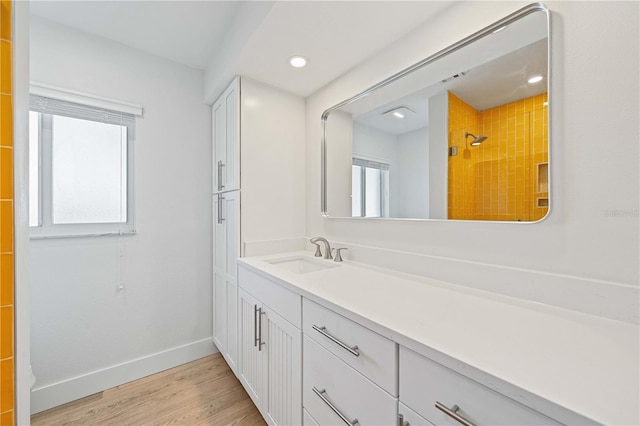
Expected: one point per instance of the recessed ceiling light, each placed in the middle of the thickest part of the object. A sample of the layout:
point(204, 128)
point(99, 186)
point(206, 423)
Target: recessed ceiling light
point(535, 79)
point(398, 114)
point(298, 61)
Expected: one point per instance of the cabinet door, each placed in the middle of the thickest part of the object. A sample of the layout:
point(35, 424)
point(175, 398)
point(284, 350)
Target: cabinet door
point(225, 236)
point(229, 270)
point(226, 139)
point(282, 370)
point(250, 358)
point(220, 311)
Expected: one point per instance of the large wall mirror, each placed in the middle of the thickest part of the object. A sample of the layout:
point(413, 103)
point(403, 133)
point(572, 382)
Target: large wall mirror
point(461, 135)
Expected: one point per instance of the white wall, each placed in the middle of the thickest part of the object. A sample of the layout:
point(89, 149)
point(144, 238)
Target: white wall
point(372, 144)
point(594, 150)
point(21, 207)
point(439, 155)
point(81, 323)
point(413, 174)
point(272, 162)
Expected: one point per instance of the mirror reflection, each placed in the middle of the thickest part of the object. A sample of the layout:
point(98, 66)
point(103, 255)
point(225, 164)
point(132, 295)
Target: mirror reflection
point(463, 137)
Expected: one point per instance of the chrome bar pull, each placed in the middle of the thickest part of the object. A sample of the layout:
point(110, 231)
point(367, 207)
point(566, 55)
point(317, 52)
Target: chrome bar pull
point(221, 207)
point(324, 399)
point(400, 420)
point(353, 350)
point(260, 342)
point(255, 325)
point(220, 166)
point(453, 413)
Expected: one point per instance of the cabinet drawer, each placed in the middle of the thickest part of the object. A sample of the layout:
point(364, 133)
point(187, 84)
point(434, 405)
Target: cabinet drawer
point(285, 302)
point(376, 355)
point(424, 382)
point(410, 417)
point(348, 391)
point(307, 420)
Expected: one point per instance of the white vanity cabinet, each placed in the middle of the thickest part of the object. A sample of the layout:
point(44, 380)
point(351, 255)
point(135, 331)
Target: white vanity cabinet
point(349, 371)
point(270, 361)
point(444, 397)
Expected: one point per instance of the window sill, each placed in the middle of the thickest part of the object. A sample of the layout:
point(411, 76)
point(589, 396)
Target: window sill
point(79, 231)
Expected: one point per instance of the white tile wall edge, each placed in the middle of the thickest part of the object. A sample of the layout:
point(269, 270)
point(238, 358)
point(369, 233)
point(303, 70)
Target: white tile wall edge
point(606, 299)
point(620, 302)
point(45, 397)
point(263, 248)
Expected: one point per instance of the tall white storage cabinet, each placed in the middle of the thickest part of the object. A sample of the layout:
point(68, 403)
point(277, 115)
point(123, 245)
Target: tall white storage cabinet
point(226, 220)
point(258, 145)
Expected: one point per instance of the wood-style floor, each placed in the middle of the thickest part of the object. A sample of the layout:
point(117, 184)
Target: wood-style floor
point(202, 392)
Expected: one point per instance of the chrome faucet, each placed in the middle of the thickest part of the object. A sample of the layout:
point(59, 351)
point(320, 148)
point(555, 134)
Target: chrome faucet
point(327, 247)
point(338, 257)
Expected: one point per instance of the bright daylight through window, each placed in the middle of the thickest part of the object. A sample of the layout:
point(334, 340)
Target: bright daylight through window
point(370, 193)
point(80, 169)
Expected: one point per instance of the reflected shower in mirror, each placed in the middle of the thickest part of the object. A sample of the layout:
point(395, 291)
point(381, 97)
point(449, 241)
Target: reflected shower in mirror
point(462, 135)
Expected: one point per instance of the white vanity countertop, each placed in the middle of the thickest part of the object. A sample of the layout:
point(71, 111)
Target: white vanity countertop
point(584, 363)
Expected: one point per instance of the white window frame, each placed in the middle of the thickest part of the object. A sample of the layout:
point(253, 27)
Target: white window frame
point(365, 162)
point(46, 228)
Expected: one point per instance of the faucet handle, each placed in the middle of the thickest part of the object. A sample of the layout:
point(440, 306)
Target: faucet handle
point(318, 251)
point(338, 257)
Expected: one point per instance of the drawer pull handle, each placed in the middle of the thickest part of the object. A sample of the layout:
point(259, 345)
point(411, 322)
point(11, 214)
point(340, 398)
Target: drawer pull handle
point(453, 413)
point(324, 399)
point(353, 350)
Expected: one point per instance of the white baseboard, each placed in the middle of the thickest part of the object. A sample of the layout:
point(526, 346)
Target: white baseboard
point(45, 397)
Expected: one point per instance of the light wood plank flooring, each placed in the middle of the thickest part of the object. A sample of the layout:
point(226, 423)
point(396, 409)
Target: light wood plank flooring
point(202, 392)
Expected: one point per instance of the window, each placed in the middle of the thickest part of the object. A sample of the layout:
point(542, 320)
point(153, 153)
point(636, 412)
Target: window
point(369, 188)
point(80, 169)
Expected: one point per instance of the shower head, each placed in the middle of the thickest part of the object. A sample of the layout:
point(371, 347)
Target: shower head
point(477, 140)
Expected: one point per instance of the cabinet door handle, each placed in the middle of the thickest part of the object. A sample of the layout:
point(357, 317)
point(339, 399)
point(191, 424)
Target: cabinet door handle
point(324, 399)
point(353, 350)
point(453, 413)
point(401, 421)
point(255, 325)
point(220, 209)
point(260, 342)
point(220, 166)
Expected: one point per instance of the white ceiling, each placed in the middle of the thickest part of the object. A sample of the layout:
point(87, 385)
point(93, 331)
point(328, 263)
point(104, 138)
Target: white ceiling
point(188, 32)
point(334, 35)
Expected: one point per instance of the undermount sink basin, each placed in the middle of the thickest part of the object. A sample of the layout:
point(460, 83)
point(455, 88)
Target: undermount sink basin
point(301, 264)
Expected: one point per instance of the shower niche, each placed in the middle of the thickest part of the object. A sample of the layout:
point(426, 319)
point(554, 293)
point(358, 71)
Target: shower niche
point(461, 135)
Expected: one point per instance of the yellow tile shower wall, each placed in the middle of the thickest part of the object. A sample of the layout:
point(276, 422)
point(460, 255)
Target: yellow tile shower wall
point(7, 366)
point(499, 179)
point(461, 194)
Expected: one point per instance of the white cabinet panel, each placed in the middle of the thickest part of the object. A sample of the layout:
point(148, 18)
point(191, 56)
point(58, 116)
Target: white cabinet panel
point(250, 359)
point(352, 394)
point(424, 382)
point(282, 370)
point(410, 417)
point(231, 221)
point(226, 243)
point(226, 139)
point(307, 420)
point(376, 355)
point(284, 301)
point(270, 361)
point(219, 311)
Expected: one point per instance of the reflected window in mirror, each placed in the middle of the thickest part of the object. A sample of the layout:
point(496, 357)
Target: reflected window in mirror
point(370, 188)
